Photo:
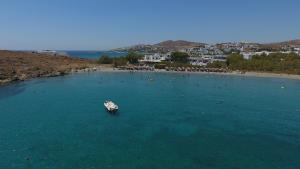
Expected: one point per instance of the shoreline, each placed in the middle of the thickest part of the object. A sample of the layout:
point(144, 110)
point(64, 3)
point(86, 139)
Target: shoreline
point(233, 73)
point(18, 66)
point(108, 69)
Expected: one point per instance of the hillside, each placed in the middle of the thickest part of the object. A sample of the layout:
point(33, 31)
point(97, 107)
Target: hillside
point(177, 45)
point(17, 66)
point(279, 45)
point(165, 46)
point(171, 45)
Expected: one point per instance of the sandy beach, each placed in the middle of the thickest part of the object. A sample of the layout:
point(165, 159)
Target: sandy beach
point(110, 69)
point(233, 73)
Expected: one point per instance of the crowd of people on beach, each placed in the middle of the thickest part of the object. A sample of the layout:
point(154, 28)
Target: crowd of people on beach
point(173, 69)
point(195, 69)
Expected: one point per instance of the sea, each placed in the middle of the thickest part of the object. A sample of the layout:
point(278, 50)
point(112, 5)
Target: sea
point(165, 121)
point(93, 54)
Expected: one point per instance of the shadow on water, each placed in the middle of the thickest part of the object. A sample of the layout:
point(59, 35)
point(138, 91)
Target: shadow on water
point(113, 114)
point(11, 90)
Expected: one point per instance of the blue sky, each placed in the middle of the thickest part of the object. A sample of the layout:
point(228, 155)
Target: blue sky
point(105, 24)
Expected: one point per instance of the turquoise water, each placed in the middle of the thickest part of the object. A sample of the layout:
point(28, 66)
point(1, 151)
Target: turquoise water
point(94, 54)
point(166, 121)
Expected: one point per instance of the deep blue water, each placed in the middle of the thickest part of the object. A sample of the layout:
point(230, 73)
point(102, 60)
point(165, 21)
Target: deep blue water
point(94, 54)
point(173, 121)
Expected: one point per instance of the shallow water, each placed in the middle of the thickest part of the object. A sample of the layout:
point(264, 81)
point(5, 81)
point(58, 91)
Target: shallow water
point(166, 121)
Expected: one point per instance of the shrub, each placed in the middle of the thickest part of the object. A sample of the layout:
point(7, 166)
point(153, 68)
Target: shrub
point(179, 57)
point(104, 59)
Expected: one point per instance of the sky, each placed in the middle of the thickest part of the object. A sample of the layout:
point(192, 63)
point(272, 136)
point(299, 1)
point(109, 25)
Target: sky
point(107, 24)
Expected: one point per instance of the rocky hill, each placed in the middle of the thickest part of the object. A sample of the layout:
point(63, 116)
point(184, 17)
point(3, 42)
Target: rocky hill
point(165, 46)
point(18, 66)
point(280, 45)
point(171, 45)
point(177, 45)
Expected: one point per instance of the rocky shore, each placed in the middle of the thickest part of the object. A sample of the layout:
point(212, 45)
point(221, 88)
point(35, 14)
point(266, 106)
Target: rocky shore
point(20, 66)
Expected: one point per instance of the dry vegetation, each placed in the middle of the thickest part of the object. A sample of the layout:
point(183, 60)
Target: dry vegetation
point(18, 66)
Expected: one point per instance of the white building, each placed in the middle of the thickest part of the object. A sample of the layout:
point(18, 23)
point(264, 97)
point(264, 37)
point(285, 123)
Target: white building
point(221, 58)
point(297, 50)
point(155, 58)
point(247, 55)
point(263, 52)
point(198, 61)
point(205, 59)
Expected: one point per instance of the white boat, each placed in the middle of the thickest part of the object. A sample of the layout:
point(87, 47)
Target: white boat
point(111, 106)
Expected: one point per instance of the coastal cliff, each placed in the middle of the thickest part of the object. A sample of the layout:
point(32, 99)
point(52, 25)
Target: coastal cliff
point(19, 66)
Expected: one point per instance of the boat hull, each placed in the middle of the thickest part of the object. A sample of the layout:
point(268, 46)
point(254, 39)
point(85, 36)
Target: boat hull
point(111, 110)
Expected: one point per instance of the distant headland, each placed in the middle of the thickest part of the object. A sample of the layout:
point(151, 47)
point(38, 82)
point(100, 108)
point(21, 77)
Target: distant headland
point(20, 66)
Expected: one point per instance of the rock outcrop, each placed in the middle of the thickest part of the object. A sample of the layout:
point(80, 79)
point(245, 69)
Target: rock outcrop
point(20, 66)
